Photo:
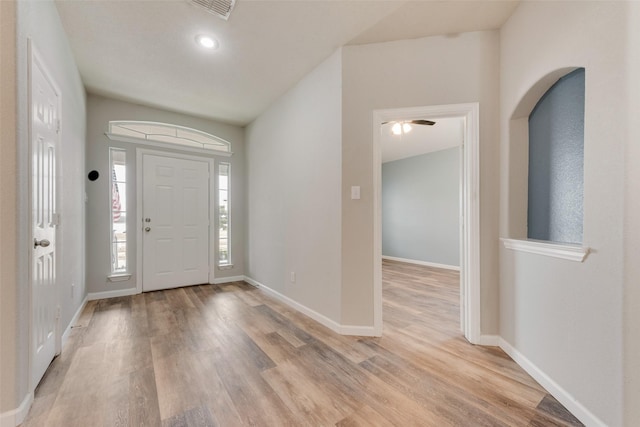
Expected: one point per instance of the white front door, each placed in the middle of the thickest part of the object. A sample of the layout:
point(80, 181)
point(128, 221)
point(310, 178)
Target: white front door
point(44, 127)
point(175, 206)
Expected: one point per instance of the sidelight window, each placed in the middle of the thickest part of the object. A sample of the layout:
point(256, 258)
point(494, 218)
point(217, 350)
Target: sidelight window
point(224, 225)
point(118, 202)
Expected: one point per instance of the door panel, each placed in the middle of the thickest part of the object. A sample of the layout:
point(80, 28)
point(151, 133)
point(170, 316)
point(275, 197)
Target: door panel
point(43, 131)
point(175, 200)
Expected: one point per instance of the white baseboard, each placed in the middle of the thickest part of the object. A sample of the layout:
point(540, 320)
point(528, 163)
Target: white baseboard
point(334, 326)
point(73, 321)
point(425, 263)
point(111, 294)
point(367, 331)
point(16, 416)
point(255, 283)
point(222, 280)
point(489, 340)
point(564, 397)
point(358, 331)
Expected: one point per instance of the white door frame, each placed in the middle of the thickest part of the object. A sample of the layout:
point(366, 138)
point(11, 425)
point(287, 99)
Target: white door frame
point(213, 220)
point(34, 57)
point(470, 209)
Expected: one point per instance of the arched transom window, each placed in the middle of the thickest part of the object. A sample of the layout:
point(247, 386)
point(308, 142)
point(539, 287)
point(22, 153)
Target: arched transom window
point(167, 134)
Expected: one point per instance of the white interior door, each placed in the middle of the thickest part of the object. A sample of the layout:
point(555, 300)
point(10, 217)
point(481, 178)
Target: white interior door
point(44, 127)
point(175, 206)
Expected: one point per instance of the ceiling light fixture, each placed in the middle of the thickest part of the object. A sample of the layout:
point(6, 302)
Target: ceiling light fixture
point(207, 42)
point(400, 128)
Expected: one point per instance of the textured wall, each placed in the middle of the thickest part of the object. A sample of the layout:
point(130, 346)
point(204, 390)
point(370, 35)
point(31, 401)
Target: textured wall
point(421, 208)
point(556, 162)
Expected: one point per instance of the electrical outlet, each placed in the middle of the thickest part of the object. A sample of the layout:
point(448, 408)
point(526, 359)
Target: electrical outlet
point(293, 277)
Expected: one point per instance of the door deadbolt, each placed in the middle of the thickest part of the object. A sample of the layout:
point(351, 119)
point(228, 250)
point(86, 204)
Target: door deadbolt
point(147, 229)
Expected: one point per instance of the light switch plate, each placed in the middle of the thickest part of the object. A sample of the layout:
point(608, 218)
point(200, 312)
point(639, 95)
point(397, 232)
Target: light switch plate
point(355, 192)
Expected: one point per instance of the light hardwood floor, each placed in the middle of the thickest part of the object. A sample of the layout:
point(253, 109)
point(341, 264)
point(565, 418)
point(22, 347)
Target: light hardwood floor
point(229, 355)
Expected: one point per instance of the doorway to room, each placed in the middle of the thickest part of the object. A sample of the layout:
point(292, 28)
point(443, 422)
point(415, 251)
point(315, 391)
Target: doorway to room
point(421, 192)
point(467, 114)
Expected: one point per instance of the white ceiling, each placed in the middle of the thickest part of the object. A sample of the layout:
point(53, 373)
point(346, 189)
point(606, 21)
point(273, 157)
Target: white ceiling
point(422, 139)
point(144, 51)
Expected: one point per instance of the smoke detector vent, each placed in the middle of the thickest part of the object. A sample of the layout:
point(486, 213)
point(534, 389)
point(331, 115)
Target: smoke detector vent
point(221, 8)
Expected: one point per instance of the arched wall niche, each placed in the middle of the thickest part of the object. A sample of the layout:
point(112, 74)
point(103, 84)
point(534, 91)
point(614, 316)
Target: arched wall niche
point(519, 152)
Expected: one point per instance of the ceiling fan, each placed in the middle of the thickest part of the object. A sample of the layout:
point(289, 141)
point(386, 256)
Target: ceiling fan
point(404, 126)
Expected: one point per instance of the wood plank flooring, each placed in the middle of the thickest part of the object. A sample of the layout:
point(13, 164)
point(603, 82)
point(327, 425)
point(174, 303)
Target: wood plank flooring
point(229, 355)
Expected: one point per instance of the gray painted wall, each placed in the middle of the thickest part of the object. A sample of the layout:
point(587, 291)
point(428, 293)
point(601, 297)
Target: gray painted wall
point(556, 162)
point(421, 207)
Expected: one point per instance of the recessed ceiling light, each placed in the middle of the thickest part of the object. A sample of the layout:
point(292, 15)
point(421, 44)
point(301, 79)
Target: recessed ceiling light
point(207, 42)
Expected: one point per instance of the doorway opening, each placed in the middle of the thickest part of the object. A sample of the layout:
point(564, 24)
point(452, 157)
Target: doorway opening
point(469, 207)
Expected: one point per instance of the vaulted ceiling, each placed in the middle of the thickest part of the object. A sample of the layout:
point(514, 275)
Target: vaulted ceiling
point(144, 51)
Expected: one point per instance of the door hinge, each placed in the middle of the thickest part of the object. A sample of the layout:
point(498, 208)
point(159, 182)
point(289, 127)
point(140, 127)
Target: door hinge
point(58, 313)
point(58, 126)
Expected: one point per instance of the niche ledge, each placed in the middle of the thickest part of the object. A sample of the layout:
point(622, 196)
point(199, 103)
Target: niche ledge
point(119, 277)
point(555, 250)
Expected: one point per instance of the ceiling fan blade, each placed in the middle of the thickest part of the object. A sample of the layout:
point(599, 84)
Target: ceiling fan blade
point(422, 122)
point(414, 122)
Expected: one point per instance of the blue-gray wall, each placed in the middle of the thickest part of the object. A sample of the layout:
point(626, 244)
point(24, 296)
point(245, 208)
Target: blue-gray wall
point(421, 206)
point(556, 160)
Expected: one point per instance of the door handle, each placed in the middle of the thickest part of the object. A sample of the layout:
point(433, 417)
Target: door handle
point(147, 229)
point(44, 243)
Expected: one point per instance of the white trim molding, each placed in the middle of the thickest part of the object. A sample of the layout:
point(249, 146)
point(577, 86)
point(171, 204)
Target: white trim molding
point(362, 331)
point(74, 320)
point(425, 263)
point(15, 417)
point(223, 280)
point(92, 296)
point(564, 397)
point(556, 250)
point(334, 326)
point(358, 331)
point(489, 340)
point(119, 277)
point(470, 209)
